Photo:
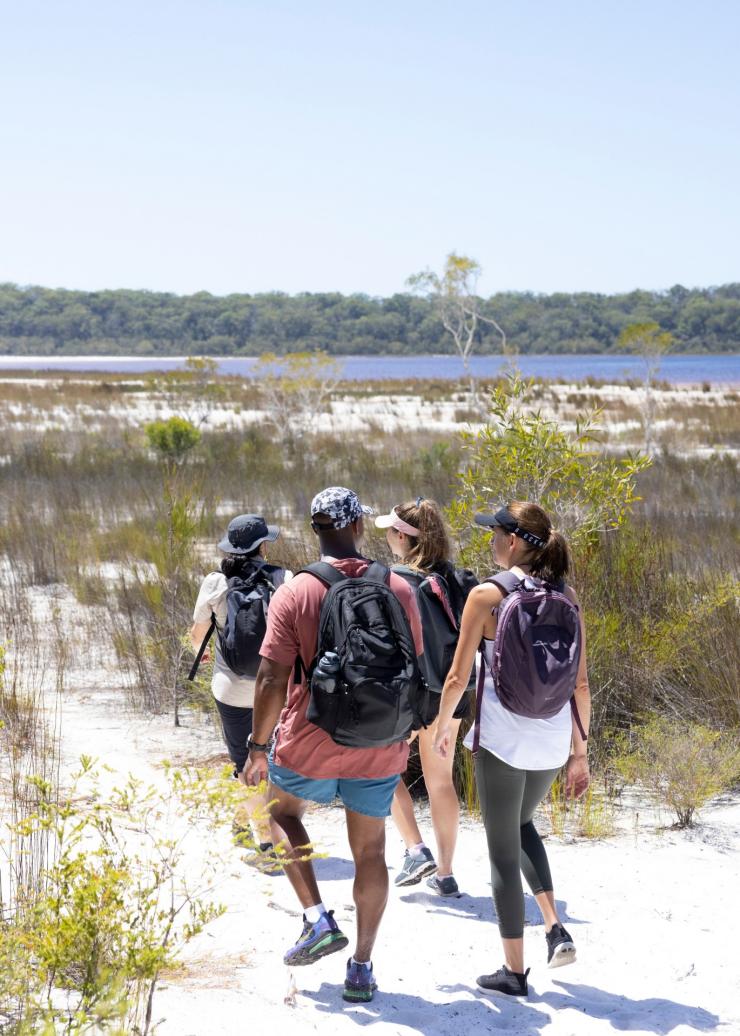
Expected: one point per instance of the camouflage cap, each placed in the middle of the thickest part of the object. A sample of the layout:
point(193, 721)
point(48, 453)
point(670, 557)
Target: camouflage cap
point(340, 505)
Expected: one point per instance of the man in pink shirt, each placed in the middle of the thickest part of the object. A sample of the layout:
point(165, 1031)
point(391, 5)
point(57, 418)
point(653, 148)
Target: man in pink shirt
point(307, 765)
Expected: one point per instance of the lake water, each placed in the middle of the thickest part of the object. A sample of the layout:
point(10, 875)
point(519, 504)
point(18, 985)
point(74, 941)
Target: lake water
point(677, 369)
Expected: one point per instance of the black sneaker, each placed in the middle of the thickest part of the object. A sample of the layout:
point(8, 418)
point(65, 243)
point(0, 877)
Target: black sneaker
point(503, 983)
point(560, 948)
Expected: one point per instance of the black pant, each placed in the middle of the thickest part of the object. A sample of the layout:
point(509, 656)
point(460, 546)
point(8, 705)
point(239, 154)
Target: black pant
point(508, 799)
point(236, 724)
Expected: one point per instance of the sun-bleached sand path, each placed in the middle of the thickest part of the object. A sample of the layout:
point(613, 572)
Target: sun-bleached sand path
point(651, 914)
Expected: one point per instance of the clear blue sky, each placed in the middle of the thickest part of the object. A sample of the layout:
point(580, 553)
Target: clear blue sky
point(328, 145)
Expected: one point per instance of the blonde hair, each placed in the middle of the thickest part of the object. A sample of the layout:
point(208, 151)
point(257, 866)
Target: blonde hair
point(431, 546)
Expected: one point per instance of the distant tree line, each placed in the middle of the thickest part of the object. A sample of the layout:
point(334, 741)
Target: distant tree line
point(54, 321)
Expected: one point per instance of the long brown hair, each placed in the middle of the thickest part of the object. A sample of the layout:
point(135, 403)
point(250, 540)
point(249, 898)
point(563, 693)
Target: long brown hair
point(431, 547)
point(553, 561)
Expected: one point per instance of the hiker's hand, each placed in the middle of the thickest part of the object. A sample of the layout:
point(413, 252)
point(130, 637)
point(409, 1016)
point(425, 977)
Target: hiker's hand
point(255, 769)
point(206, 656)
point(577, 776)
point(442, 738)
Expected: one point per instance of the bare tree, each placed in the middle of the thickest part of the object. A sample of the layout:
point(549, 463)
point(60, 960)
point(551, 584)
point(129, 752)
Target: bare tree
point(296, 388)
point(453, 294)
point(651, 344)
point(194, 392)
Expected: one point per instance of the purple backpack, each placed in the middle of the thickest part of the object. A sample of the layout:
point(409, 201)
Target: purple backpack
point(536, 651)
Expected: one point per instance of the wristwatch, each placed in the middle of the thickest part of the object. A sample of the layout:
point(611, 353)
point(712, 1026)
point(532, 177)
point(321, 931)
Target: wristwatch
point(255, 746)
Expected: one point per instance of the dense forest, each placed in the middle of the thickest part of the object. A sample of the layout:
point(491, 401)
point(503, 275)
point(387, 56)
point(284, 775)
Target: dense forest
point(48, 321)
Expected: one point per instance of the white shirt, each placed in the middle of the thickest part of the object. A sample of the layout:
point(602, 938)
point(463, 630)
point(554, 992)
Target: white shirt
point(522, 742)
point(226, 686)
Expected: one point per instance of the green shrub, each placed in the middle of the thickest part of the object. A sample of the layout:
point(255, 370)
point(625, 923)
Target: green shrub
point(682, 765)
point(172, 438)
point(521, 455)
point(643, 611)
point(82, 951)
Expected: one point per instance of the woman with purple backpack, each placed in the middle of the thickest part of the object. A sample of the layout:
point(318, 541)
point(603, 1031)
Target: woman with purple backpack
point(533, 706)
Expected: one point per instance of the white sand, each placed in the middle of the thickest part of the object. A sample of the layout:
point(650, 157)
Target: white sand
point(393, 413)
point(651, 915)
point(651, 912)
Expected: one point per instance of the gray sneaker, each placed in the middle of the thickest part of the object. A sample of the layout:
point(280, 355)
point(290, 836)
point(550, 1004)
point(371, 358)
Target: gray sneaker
point(415, 867)
point(443, 886)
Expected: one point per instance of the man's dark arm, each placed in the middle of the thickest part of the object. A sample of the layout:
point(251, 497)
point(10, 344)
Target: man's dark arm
point(270, 691)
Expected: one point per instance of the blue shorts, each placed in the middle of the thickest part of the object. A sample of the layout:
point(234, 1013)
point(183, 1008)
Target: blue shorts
point(372, 797)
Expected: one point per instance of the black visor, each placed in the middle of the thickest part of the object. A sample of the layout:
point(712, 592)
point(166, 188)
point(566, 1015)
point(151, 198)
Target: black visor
point(504, 519)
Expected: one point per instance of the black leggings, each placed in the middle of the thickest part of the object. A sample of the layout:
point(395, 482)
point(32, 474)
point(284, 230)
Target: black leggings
point(508, 799)
point(236, 724)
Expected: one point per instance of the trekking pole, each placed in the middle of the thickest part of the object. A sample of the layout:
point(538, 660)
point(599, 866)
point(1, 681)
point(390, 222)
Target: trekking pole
point(201, 649)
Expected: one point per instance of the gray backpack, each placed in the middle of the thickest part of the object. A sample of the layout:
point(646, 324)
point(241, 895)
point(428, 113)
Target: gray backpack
point(536, 650)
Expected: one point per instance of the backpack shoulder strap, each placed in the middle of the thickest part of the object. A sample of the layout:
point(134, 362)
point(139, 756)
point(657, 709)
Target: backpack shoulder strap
point(326, 573)
point(412, 575)
point(202, 648)
point(257, 574)
point(507, 582)
point(329, 576)
point(273, 574)
point(436, 586)
point(377, 570)
point(479, 693)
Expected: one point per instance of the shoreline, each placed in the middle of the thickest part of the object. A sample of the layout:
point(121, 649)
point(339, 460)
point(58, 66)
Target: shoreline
point(678, 369)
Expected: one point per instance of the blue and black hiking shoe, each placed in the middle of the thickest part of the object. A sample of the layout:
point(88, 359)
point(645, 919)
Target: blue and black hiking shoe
point(316, 941)
point(360, 984)
point(415, 867)
point(443, 886)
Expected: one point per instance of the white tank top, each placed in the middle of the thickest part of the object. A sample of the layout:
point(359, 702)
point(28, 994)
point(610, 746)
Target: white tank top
point(524, 743)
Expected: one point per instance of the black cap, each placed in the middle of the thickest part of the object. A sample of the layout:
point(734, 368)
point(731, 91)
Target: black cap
point(504, 519)
point(246, 532)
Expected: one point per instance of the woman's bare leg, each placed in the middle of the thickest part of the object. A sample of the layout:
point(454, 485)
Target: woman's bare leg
point(443, 800)
point(402, 811)
point(546, 903)
point(514, 954)
point(257, 813)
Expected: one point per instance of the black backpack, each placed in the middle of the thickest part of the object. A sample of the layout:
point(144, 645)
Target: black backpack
point(247, 600)
point(440, 598)
point(379, 696)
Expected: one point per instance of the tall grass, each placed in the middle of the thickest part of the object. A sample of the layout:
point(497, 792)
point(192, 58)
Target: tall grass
point(32, 671)
point(83, 508)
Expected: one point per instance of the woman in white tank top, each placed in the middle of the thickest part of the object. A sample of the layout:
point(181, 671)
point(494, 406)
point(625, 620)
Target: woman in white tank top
point(519, 756)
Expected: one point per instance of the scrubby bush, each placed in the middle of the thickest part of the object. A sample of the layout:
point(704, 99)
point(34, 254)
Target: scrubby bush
point(682, 765)
point(157, 601)
point(659, 638)
point(173, 438)
point(521, 455)
point(82, 949)
point(591, 816)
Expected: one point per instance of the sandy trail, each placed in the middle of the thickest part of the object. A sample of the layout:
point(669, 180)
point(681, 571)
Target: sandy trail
point(648, 911)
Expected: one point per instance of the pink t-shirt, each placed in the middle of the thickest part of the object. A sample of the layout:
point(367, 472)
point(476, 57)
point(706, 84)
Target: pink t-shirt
point(292, 630)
